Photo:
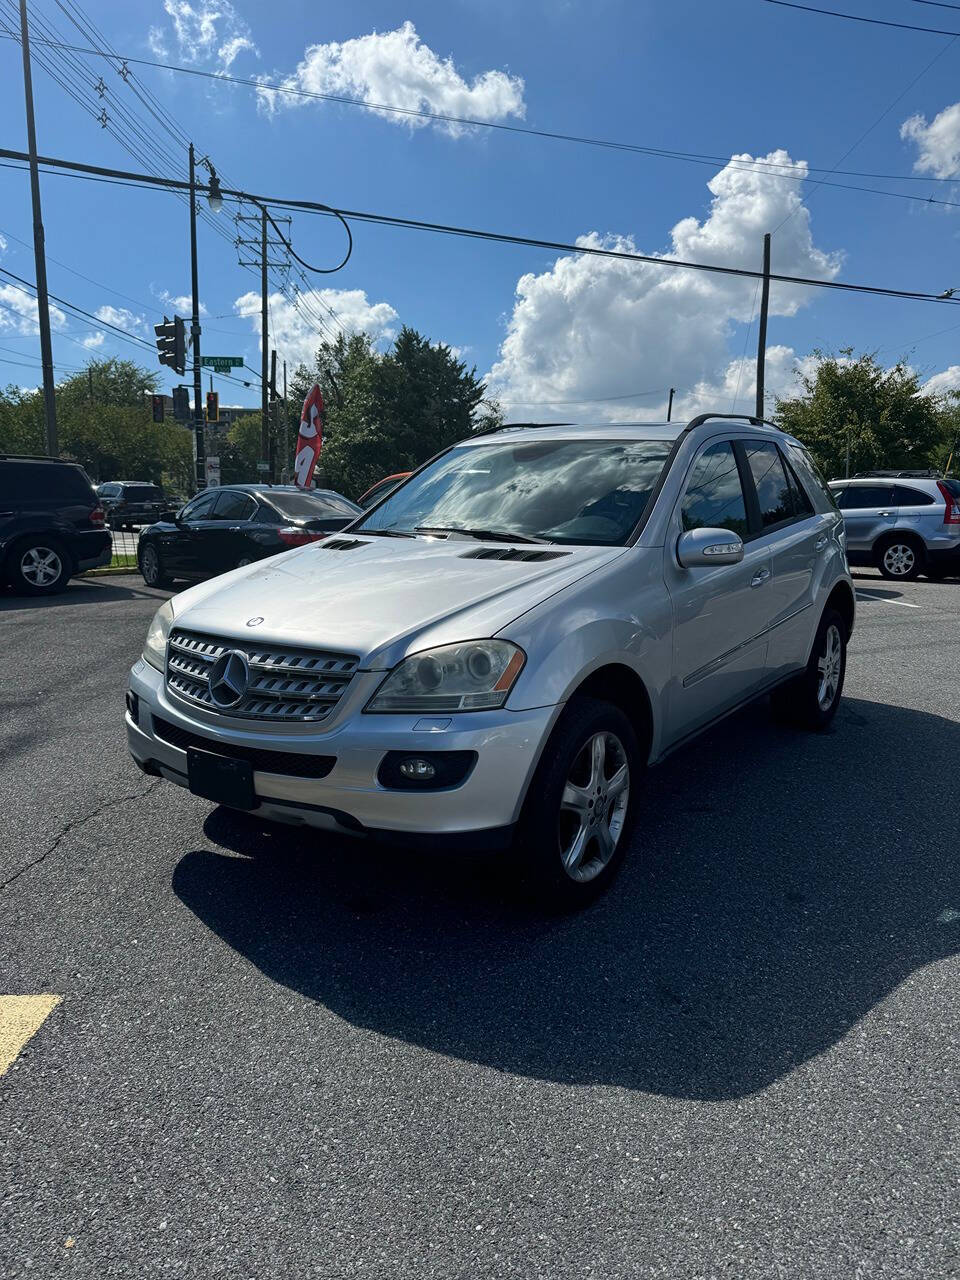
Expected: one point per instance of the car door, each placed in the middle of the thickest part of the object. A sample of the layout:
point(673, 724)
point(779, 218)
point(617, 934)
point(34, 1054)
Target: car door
point(798, 540)
point(720, 614)
point(180, 544)
point(869, 511)
point(228, 543)
point(919, 512)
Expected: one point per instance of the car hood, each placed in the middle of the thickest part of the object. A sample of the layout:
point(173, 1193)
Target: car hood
point(383, 598)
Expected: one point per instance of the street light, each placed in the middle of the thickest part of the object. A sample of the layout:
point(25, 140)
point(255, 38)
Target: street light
point(214, 194)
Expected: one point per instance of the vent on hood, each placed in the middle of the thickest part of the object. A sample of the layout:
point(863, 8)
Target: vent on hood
point(344, 544)
point(512, 553)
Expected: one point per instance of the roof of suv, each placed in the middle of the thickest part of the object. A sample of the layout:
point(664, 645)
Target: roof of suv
point(668, 431)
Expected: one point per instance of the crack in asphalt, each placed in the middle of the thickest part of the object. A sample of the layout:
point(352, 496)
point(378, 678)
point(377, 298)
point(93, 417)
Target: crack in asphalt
point(72, 825)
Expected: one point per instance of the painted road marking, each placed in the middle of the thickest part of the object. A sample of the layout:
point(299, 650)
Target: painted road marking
point(865, 595)
point(20, 1018)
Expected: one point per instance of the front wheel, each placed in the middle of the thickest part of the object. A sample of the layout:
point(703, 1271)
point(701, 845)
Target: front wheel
point(580, 808)
point(810, 700)
point(900, 559)
point(151, 567)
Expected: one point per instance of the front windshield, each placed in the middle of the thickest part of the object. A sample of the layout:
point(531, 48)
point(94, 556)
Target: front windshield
point(575, 491)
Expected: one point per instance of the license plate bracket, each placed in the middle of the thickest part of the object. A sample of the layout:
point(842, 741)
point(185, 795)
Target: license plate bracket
point(221, 779)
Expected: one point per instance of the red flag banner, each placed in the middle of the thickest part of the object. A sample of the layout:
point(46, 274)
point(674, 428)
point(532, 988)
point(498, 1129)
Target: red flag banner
point(310, 439)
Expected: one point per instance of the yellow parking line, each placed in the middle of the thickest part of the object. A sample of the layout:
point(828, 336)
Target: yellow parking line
point(20, 1018)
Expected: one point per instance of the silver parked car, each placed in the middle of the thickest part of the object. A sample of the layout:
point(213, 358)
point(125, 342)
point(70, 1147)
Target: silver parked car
point(494, 653)
point(904, 522)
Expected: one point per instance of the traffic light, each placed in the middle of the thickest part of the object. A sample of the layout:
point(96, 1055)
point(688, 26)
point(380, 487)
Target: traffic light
point(158, 408)
point(213, 406)
point(171, 344)
point(181, 404)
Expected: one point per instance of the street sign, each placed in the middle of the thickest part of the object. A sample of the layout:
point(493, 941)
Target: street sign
point(213, 470)
point(263, 467)
point(222, 364)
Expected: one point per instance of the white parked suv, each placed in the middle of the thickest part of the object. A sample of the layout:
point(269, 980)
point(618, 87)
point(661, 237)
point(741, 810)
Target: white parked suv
point(494, 653)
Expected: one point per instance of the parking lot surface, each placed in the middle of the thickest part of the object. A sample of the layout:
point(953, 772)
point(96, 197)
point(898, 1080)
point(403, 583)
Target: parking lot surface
point(274, 1053)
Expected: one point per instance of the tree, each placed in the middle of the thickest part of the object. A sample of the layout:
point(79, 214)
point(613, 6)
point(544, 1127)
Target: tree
point(105, 424)
point(882, 416)
point(389, 411)
point(240, 451)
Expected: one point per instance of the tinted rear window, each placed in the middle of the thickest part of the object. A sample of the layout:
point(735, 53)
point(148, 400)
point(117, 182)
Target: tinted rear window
point(305, 506)
point(45, 482)
point(905, 496)
point(142, 493)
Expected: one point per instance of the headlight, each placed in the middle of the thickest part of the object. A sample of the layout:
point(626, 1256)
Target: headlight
point(155, 645)
point(474, 676)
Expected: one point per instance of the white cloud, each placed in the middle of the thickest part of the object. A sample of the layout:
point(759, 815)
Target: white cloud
point(19, 312)
point(122, 318)
point(180, 304)
point(93, 340)
point(938, 142)
point(205, 31)
point(3, 244)
point(297, 337)
point(944, 381)
point(396, 69)
point(590, 328)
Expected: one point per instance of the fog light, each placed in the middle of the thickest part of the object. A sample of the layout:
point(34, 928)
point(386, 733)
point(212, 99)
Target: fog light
point(417, 769)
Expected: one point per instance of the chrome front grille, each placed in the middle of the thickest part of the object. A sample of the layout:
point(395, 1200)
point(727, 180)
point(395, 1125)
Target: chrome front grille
point(285, 684)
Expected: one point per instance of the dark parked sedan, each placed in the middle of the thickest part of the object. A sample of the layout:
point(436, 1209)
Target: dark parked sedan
point(234, 525)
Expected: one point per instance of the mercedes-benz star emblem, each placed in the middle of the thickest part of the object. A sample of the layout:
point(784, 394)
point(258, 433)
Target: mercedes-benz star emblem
point(229, 677)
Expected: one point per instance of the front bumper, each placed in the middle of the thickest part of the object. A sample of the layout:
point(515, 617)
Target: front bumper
point(482, 809)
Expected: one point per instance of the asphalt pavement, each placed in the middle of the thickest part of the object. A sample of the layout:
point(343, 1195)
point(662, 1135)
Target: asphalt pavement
point(278, 1054)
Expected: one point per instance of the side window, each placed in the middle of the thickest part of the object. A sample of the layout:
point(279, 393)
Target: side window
point(267, 515)
point(903, 496)
point(808, 470)
point(863, 497)
point(201, 507)
point(770, 482)
point(802, 506)
point(232, 505)
point(714, 496)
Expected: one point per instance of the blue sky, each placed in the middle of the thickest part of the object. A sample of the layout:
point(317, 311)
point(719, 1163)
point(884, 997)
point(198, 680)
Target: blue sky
point(735, 78)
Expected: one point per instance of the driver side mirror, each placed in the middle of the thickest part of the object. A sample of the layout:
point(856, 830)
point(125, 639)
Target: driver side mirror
point(699, 548)
point(170, 517)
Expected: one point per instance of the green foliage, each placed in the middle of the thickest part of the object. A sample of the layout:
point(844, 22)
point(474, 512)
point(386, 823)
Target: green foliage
point(105, 423)
point(881, 414)
point(240, 451)
point(386, 412)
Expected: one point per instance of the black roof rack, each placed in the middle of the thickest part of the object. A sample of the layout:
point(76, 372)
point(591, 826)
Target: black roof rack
point(701, 418)
point(930, 473)
point(35, 457)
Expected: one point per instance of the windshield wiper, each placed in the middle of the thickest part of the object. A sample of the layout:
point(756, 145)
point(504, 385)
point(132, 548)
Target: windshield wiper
point(386, 533)
point(482, 535)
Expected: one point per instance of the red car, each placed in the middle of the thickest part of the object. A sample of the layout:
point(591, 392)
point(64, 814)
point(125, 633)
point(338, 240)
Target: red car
point(381, 489)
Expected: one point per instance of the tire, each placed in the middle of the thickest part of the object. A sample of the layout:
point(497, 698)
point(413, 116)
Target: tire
point(810, 701)
point(39, 566)
point(561, 813)
point(151, 567)
point(900, 558)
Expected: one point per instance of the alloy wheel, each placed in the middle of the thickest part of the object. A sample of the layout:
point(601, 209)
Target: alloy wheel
point(41, 566)
point(150, 565)
point(593, 806)
point(899, 559)
point(829, 665)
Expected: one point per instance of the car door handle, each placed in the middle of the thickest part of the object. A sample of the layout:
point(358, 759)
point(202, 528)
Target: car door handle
point(884, 513)
point(234, 528)
point(821, 542)
point(760, 577)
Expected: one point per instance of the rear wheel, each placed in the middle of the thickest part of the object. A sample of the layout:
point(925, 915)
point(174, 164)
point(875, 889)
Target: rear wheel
point(151, 566)
point(900, 558)
point(810, 701)
point(39, 566)
point(580, 808)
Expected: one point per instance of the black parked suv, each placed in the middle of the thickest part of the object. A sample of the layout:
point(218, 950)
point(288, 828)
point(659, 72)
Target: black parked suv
point(131, 502)
point(51, 524)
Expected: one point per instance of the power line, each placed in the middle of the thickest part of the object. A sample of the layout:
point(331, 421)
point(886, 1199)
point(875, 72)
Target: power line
point(666, 153)
point(499, 237)
point(856, 17)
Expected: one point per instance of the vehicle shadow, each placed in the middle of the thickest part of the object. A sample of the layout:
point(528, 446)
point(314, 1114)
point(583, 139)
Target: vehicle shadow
point(93, 591)
point(781, 886)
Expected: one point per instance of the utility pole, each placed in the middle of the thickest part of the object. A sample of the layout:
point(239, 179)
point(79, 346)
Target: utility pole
point(201, 474)
point(264, 388)
point(670, 404)
point(286, 422)
point(39, 251)
point(762, 332)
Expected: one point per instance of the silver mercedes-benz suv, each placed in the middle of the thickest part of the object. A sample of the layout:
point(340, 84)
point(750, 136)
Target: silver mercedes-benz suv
point(493, 654)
